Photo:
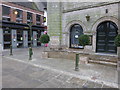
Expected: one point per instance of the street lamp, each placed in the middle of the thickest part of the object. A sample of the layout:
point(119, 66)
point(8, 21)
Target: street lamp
point(15, 12)
point(87, 17)
point(30, 48)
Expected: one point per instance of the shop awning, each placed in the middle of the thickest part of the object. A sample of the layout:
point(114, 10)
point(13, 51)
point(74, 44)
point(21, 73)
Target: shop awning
point(22, 26)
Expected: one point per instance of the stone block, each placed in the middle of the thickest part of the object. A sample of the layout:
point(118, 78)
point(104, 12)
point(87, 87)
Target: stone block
point(83, 59)
point(118, 65)
point(53, 54)
point(71, 56)
point(44, 54)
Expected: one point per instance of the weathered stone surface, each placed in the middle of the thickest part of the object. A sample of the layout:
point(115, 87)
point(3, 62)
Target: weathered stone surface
point(44, 54)
point(43, 73)
point(61, 54)
point(118, 53)
point(83, 59)
point(58, 18)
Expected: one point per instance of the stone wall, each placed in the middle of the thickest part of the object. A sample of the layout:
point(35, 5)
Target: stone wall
point(97, 15)
point(74, 6)
point(61, 16)
point(67, 6)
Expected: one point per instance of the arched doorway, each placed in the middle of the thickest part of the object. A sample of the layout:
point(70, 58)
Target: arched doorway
point(75, 31)
point(106, 33)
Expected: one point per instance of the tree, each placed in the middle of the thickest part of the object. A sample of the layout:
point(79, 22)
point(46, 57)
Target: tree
point(84, 40)
point(117, 40)
point(44, 38)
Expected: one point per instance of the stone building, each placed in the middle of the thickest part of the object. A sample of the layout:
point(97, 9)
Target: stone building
point(68, 20)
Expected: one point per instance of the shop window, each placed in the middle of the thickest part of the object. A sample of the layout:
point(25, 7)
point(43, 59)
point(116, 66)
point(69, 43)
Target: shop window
point(29, 17)
point(7, 35)
point(19, 35)
point(19, 16)
point(19, 38)
point(6, 18)
point(5, 13)
point(38, 19)
point(38, 36)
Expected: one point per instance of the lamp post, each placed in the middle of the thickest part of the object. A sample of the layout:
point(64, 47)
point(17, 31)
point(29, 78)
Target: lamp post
point(11, 45)
point(14, 13)
point(30, 48)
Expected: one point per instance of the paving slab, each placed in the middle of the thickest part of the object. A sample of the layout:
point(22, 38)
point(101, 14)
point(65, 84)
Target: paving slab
point(60, 70)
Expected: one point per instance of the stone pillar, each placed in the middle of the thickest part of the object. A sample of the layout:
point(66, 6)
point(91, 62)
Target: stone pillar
point(1, 39)
point(34, 38)
point(25, 39)
point(54, 29)
point(14, 38)
point(42, 34)
point(1, 49)
point(118, 47)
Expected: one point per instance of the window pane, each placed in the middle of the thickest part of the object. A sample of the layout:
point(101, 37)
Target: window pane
point(5, 10)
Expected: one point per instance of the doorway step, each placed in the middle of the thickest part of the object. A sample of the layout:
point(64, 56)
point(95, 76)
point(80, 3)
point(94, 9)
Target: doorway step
point(103, 59)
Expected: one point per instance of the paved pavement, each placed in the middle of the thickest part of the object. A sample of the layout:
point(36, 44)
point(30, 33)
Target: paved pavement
point(18, 71)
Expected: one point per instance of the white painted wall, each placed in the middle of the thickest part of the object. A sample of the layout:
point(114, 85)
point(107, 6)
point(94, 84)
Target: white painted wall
point(45, 15)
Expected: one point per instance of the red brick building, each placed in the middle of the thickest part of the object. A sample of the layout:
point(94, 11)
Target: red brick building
point(17, 18)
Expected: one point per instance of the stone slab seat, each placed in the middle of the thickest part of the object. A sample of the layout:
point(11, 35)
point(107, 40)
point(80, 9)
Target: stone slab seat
point(83, 58)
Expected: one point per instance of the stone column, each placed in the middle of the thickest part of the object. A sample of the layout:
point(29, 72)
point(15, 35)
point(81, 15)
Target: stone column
point(34, 38)
point(42, 34)
point(54, 29)
point(1, 49)
point(1, 39)
point(25, 39)
point(14, 39)
point(118, 47)
point(118, 66)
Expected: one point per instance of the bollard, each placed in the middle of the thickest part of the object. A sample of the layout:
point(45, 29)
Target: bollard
point(76, 63)
point(30, 53)
point(11, 50)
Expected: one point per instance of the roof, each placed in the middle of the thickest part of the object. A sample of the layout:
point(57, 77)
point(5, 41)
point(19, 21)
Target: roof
point(41, 5)
point(30, 5)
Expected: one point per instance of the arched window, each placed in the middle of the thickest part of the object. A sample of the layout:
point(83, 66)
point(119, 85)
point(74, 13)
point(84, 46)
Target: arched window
point(75, 31)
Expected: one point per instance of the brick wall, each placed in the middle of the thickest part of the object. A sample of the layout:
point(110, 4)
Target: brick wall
point(13, 16)
point(24, 17)
point(34, 18)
